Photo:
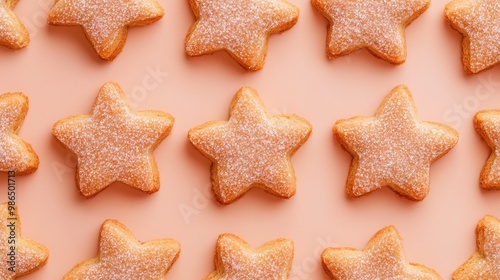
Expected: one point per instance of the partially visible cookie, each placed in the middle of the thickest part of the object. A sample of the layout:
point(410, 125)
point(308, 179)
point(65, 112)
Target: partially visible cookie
point(13, 34)
point(28, 255)
point(15, 153)
point(484, 264)
point(241, 28)
point(115, 143)
point(394, 148)
point(235, 259)
point(121, 256)
point(105, 22)
point(251, 149)
point(382, 258)
point(378, 25)
point(487, 124)
point(477, 21)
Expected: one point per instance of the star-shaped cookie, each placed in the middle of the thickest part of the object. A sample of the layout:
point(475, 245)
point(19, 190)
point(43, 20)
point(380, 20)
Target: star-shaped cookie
point(13, 34)
point(382, 258)
point(114, 143)
point(252, 149)
point(121, 256)
point(378, 25)
point(394, 148)
point(484, 264)
point(105, 22)
point(28, 255)
point(487, 124)
point(241, 28)
point(15, 154)
point(478, 21)
point(235, 259)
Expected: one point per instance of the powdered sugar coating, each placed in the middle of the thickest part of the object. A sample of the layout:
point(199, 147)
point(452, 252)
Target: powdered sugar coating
point(240, 27)
point(251, 149)
point(487, 124)
point(484, 264)
point(374, 24)
point(121, 256)
point(114, 143)
point(13, 34)
point(15, 153)
point(105, 22)
point(30, 255)
point(382, 258)
point(394, 148)
point(479, 22)
point(236, 260)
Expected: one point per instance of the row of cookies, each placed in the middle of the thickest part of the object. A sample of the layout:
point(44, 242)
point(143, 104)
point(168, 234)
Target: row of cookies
point(252, 149)
point(122, 256)
point(242, 28)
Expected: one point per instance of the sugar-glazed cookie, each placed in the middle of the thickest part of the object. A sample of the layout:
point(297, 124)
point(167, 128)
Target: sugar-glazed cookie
point(28, 255)
point(121, 256)
point(15, 154)
point(105, 22)
point(484, 264)
point(114, 143)
point(241, 28)
point(477, 21)
point(487, 124)
point(235, 259)
point(394, 148)
point(251, 149)
point(13, 34)
point(382, 258)
point(378, 25)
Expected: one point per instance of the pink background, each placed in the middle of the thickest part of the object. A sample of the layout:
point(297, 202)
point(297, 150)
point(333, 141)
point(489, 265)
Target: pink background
point(61, 75)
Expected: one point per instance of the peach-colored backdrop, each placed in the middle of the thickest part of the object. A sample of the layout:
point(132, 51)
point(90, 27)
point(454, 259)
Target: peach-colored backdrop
point(61, 75)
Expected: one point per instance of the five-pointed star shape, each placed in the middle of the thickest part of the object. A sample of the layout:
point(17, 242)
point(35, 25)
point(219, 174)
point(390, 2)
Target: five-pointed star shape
point(394, 148)
point(478, 21)
point(378, 25)
point(121, 256)
point(484, 264)
point(15, 154)
point(114, 143)
point(13, 34)
point(241, 28)
point(487, 124)
point(105, 22)
point(251, 149)
point(235, 259)
point(29, 255)
point(382, 258)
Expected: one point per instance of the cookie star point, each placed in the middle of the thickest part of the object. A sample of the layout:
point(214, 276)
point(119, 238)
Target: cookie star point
point(15, 153)
point(115, 143)
point(251, 149)
point(394, 148)
point(477, 21)
point(235, 259)
point(382, 258)
point(241, 28)
point(484, 263)
point(122, 256)
point(105, 23)
point(375, 25)
point(487, 124)
point(30, 255)
point(13, 33)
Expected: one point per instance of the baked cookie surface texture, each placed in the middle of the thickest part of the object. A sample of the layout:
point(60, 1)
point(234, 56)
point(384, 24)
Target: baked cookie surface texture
point(487, 124)
point(394, 148)
point(240, 27)
point(13, 33)
point(235, 259)
point(251, 149)
point(115, 143)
